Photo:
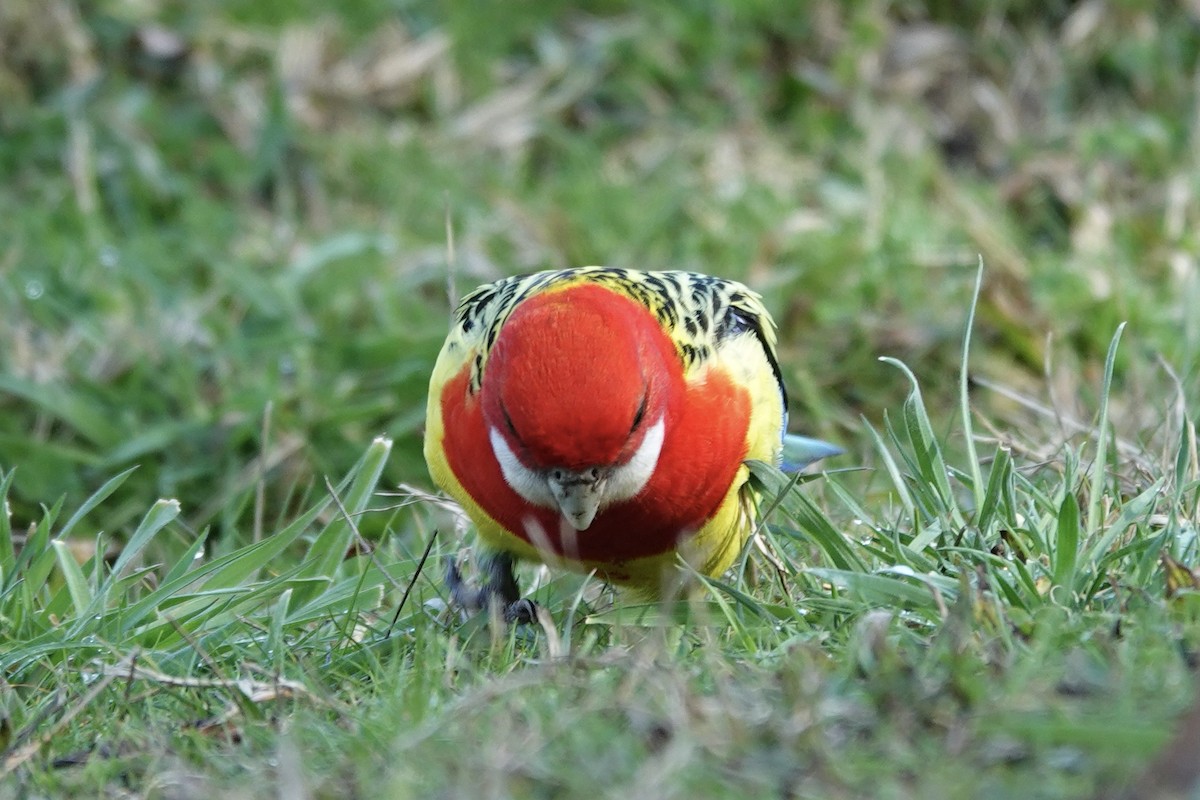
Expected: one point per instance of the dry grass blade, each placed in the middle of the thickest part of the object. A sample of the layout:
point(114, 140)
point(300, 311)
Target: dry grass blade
point(408, 589)
point(252, 689)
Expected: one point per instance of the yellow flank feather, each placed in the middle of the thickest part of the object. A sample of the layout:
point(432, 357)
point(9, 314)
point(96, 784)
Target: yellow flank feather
point(715, 324)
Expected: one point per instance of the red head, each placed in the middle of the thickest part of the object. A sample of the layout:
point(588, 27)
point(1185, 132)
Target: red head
point(574, 390)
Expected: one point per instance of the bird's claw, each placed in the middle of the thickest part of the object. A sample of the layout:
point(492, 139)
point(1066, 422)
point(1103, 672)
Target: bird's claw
point(500, 587)
point(522, 612)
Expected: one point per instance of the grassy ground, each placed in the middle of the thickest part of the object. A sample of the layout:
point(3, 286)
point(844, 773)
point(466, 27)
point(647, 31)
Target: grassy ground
point(229, 237)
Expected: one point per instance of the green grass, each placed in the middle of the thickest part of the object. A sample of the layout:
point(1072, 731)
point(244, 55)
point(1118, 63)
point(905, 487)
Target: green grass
point(225, 273)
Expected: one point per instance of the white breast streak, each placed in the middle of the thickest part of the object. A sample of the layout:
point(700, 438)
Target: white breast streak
point(623, 482)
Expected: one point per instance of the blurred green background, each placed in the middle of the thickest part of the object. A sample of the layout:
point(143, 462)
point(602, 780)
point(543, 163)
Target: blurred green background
point(225, 227)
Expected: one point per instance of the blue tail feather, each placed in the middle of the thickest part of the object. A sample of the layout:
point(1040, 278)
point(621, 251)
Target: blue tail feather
point(800, 451)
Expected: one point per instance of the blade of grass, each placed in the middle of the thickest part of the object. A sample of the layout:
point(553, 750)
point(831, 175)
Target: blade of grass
point(77, 584)
point(805, 514)
point(893, 470)
point(964, 397)
point(8, 553)
point(925, 449)
point(329, 548)
point(880, 589)
point(999, 479)
point(1066, 545)
point(1100, 464)
point(1133, 510)
point(158, 517)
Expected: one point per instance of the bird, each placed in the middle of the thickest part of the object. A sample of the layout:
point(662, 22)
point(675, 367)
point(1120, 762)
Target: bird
point(602, 418)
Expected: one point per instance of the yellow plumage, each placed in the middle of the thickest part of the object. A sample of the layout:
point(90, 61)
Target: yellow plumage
point(725, 384)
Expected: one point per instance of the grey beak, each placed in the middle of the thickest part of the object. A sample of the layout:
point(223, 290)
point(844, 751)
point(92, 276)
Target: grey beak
point(578, 494)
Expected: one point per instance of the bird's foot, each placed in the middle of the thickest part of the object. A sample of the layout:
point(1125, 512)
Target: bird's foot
point(499, 588)
point(522, 612)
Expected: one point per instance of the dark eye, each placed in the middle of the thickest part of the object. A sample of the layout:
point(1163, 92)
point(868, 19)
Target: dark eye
point(508, 423)
point(637, 418)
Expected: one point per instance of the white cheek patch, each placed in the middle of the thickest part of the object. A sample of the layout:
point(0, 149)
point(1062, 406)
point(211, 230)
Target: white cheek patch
point(526, 482)
point(631, 477)
point(623, 482)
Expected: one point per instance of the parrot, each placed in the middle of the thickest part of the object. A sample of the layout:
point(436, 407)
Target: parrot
point(600, 419)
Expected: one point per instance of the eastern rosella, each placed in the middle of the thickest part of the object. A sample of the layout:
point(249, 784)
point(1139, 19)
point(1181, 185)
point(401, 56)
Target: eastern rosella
point(601, 418)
